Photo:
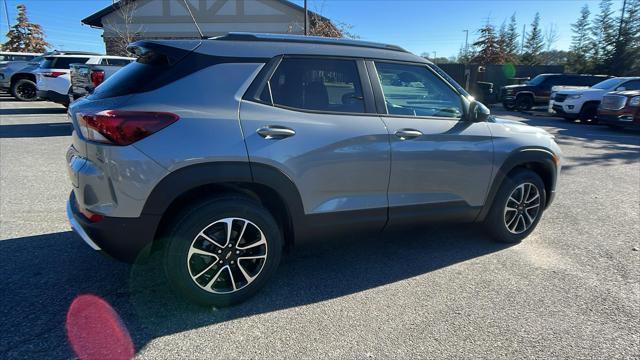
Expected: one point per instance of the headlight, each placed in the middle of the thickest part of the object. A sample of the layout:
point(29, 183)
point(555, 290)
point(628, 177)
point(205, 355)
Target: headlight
point(576, 96)
point(635, 101)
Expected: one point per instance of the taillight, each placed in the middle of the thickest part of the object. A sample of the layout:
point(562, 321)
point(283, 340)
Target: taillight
point(92, 217)
point(97, 77)
point(53, 74)
point(118, 127)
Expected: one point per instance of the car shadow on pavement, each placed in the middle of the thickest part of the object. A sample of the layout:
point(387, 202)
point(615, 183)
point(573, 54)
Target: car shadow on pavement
point(606, 146)
point(35, 130)
point(42, 275)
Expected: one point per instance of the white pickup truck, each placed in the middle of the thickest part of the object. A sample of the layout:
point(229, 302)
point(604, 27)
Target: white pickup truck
point(86, 77)
point(53, 76)
point(583, 104)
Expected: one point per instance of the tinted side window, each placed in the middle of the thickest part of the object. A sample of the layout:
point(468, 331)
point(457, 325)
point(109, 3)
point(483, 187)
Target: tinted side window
point(552, 81)
point(64, 62)
point(592, 80)
point(317, 84)
point(588, 80)
point(632, 85)
point(414, 90)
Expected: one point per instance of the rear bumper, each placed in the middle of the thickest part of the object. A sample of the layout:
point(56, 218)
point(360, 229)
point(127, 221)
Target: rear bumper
point(125, 239)
point(53, 96)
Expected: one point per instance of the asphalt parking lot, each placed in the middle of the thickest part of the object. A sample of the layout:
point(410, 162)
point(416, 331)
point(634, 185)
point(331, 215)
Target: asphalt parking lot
point(571, 290)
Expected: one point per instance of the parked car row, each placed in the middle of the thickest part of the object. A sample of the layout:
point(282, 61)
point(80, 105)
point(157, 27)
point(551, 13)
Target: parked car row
point(48, 76)
point(584, 104)
point(538, 90)
point(590, 98)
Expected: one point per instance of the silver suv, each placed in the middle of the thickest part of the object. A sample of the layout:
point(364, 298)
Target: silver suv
point(224, 152)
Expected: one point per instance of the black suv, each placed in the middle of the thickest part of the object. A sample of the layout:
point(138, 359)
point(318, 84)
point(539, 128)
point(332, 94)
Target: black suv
point(538, 90)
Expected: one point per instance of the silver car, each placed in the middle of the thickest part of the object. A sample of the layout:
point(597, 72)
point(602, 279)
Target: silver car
point(224, 152)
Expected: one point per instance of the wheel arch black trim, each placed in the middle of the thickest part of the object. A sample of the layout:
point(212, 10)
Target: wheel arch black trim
point(543, 158)
point(228, 173)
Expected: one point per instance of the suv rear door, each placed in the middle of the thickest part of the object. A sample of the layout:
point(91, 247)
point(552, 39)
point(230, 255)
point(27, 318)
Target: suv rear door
point(314, 119)
point(441, 163)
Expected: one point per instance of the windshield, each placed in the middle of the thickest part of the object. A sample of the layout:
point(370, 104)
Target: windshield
point(537, 80)
point(607, 84)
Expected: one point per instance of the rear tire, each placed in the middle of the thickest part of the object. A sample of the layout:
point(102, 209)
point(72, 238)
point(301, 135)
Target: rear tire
point(24, 90)
point(517, 207)
point(211, 265)
point(524, 102)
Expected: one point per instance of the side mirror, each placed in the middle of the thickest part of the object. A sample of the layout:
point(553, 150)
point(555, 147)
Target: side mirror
point(478, 112)
point(621, 88)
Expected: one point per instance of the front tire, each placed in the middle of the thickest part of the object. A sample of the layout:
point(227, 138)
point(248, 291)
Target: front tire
point(517, 207)
point(222, 251)
point(24, 90)
point(508, 107)
point(589, 113)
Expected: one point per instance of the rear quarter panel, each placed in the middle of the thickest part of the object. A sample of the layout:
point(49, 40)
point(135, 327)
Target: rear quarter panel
point(207, 103)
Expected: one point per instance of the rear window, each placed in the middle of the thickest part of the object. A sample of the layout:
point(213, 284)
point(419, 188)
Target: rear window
point(62, 62)
point(115, 62)
point(134, 77)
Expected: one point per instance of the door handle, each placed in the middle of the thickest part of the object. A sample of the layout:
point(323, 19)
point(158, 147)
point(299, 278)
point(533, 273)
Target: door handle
point(275, 132)
point(406, 134)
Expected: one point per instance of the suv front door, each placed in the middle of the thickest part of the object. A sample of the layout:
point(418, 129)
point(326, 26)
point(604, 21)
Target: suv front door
point(315, 121)
point(441, 164)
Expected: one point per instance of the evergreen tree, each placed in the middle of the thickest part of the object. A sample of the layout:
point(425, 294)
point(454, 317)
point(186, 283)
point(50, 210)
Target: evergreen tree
point(633, 23)
point(487, 48)
point(604, 34)
point(625, 58)
point(502, 42)
point(25, 36)
point(534, 43)
point(580, 42)
point(511, 40)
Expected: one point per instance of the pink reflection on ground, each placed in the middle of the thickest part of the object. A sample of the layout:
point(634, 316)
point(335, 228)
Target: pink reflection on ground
point(95, 330)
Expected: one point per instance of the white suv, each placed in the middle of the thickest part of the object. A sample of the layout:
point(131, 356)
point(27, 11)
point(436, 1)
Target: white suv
point(572, 104)
point(52, 77)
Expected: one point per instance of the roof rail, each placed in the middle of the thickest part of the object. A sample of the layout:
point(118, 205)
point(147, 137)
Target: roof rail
point(246, 36)
point(69, 52)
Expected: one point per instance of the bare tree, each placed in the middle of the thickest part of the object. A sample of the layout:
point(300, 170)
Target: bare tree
point(321, 26)
point(122, 27)
point(551, 36)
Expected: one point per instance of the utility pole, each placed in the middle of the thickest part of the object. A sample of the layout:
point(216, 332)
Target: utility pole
point(6, 12)
point(524, 31)
point(435, 58)
point(624, 4)
point(306, 18)
point(466, 45)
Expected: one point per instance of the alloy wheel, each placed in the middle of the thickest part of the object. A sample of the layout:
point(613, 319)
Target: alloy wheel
point(227, 255)
point(26, 91)
point(522, 208)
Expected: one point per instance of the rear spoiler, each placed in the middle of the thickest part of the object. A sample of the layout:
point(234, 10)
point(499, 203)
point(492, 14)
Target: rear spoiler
point(171, 51)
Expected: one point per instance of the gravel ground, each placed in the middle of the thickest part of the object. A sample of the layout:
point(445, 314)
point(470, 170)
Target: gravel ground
point(571, 290)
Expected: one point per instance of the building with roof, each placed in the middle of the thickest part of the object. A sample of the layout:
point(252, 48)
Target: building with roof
point(130, 20)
